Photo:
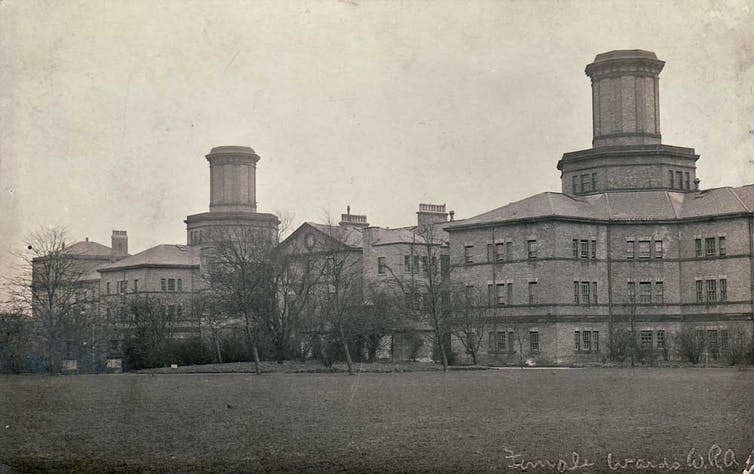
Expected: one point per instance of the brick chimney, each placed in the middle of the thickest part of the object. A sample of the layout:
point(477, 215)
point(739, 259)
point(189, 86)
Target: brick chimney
point(353, 221)
point(431, 214)
point(119, 243)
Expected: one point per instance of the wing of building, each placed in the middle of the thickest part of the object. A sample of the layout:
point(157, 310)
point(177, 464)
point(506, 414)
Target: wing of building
point(631, 246)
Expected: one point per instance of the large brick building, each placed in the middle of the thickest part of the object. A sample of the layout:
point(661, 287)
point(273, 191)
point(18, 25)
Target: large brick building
point(630, 242)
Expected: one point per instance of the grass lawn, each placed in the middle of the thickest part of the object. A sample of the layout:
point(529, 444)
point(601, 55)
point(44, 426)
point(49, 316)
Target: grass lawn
point(398, 422)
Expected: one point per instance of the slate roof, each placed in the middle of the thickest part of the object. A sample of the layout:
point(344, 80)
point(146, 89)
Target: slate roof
point(350, 236)
point(649, 205)
point(89, 249)
point(160, 255)
point(406, 235)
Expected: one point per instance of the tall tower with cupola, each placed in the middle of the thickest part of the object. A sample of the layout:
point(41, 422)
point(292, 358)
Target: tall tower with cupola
point(627, 153)
point(232, 202)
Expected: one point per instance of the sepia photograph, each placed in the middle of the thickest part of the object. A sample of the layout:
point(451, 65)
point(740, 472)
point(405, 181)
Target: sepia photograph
point(346, 236)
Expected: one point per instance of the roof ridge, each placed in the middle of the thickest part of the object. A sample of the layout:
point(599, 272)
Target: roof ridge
point(738, 198)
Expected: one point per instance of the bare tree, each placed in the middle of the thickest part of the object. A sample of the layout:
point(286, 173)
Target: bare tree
point(341, 292)
point(51, 284)
point(468, 319)
point(238, 272)
point(425, 290)
point(148, 326)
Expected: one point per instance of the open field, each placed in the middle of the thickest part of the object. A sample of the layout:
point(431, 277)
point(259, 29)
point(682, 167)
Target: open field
point(404, 422)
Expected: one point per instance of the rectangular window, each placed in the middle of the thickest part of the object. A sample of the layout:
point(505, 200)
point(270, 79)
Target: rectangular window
point(671, 178)
point(699, 291)
point(425, 265)
point(510, 293)
point(584, 249)
point(163, 284)
point(630, 249)
point(679, 179)
point(122, 286)
point(724, 339)
point(585, 183)
point(646, 339)
point(575, 184)
point(532, 292)
point(723, 290)
point(645, 292)
point(136, 285)
point(587, 337)
point(415, 264)
point(631, 292)
point(407, 263)
point(490, 294)
point(594, 292)
point(644, 249)
point(531, 248)
point(469, 292)
point(698, 247)
point(711, 291)
point(596, 340)
point(661, 339)
point(500, 252)
point(577, 340)
point(500, 293)
point(594, 181)
point(576, 292)
point(712, 340)
point(658, 249)
point(721, 246)
point(709, 246)
point(180, 284)
point(575, 248)
point(171, 284)
point(659, 292)
point(585, 299)
point(107, 288)
point(686, 180)
point(381, 265)
point(509, 251)
point(497, 342)
point(594, 249)
point(533, 342)
point(490, 252)
point(467, 258)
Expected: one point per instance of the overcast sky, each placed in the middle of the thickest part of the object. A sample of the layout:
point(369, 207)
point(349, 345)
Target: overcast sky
point(108, 108)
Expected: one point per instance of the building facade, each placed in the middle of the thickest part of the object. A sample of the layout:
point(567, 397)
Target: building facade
point(631, 244)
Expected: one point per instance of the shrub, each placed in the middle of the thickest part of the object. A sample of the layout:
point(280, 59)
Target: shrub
point(690, 344)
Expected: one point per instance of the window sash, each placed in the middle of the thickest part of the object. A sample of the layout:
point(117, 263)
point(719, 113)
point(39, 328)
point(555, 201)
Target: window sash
point(709, 246)
point(698, 246)
point(658, 249)
point(721, 246)
point(531, 248)
point(699, 291)
point(533, 341)
point(532, 292)
point(630, 249)
point(711, 291)
point(645, 292)
point(723, 290)
point(584, 249)
point(644, 249)
point(500, 294)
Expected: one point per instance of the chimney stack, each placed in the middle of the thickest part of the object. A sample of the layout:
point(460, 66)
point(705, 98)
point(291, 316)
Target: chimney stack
point(119, 242)
point(353, 220)
point(431, 214)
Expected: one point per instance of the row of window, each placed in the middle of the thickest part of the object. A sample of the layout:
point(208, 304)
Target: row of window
point(679, 179)
point(501, 294)
point(712, 291)
point(122, 286)
point(500, 251)
point(585, 292)
point(647, 341)
point(649, 292)
point(586, 341)
point(584, 183)
point(502, 342)
point(195, 237)
point(710, 247)
point(584, 248)
point(587, 249)
point(644, 249)
point(415, 264)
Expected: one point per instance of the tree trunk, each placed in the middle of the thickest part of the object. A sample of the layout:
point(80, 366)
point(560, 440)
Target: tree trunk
point(257, 369)
point(443, 355)
point(349, 362)
point(217, 348)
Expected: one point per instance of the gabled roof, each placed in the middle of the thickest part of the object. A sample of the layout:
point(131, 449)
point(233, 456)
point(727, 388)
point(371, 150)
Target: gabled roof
point(168, 255)
point(407, 235)
point(349, 236)
point(649, 205)
point(89, 249)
